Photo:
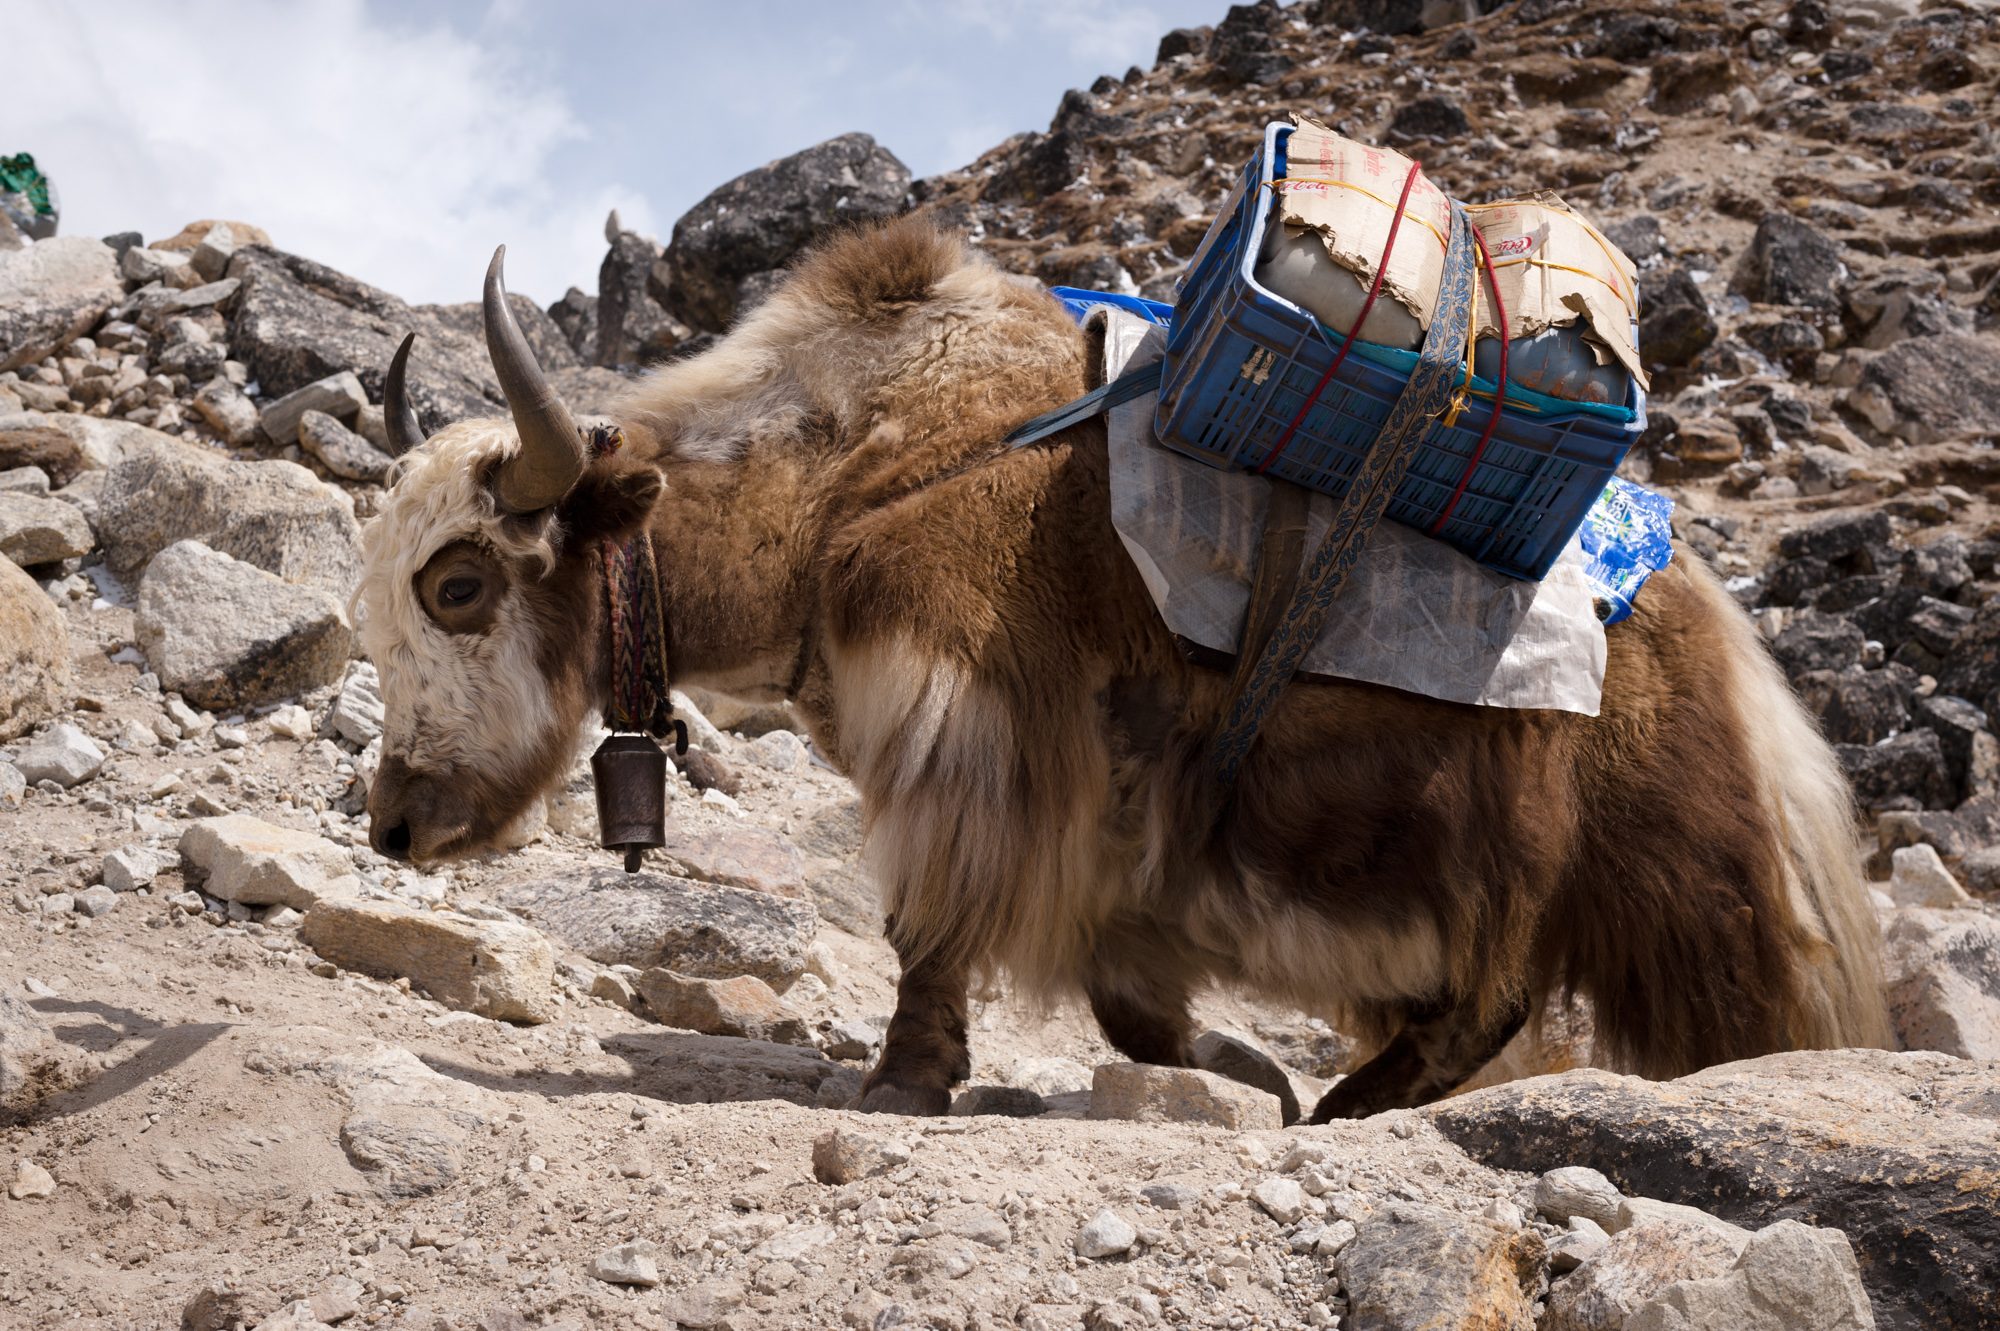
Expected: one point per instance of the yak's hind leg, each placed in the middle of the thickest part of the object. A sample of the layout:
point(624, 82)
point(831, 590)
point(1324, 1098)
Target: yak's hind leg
point(924, 1053)
point(1439, 1046)
point(1139, 996)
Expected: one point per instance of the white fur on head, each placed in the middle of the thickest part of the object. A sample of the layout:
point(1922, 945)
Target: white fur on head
point(451, 701)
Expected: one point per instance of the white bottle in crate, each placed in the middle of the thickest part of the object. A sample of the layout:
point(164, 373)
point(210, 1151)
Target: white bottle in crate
point(1555, 361)
point(1559, 362)
point(1294, 264)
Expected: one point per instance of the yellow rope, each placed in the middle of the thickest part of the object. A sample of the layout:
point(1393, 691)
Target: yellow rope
point(1366, 193)
point(1628, 301)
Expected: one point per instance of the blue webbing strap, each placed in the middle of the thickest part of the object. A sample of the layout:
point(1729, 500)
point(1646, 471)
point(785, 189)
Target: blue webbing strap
point(1439, 366)
point(1134, 383)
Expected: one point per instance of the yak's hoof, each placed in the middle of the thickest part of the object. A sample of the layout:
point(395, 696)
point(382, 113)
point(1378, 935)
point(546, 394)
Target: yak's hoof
point(890, 1097)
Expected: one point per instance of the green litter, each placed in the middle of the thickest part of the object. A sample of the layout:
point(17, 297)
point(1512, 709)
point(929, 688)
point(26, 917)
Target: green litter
point(19, 176)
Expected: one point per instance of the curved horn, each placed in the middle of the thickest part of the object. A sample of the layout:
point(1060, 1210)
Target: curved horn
point(401, 422)
point(551, 456)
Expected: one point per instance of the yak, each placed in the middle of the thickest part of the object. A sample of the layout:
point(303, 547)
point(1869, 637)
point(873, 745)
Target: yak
point(836, 521)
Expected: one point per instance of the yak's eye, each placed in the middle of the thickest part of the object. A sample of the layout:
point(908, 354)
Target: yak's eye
point(458, 591)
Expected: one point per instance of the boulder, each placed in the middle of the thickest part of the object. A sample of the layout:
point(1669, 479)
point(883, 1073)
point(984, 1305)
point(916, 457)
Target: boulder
point(1415, 1266)
point(1632, 1268)
point(842, 1155)
point(1944, 980)
point(1791, 262)
point(337, 395)
point(51, 292)
point(1927, 389)
point(342, 451)
point(38, 530)
point(62, 754)
point(226, 634)
point(630, 327)
point(1790, 1275)
point(34, 654)
point(1146, 1093)
point(1918, 877)
point(495, 968)
point(275, 515)
point(1894, 1149)
point(576, 315)
point(739, 856)
point(296, 322)
point(1909, 765)
point(1238, 1059)
point(742, 1006)
point(1675, 324)
point(759, 221)
point(35, 1061)
point(648, 920)
point(248, 860)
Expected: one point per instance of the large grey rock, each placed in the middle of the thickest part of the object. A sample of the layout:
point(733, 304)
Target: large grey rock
point(37, 530)
point(743, 1006)
point(1146, 1093)
point(35, 1062)
point(342, 451)
point(52, 291)
point(631, 327)
point(1944, 981)
point(296, 321)
point(62, 754)
point(1791, 262)
point(337, 395)
point(496, 968)
point(226, 634)
point(1790, 1276)
point(1635, 1266)
point(1927, 389)
point(276, 515)
point(34, 654)
point(245, 859)
point(649, 920)
point(1413, 1266)
point(757, 222)
point(1237, 1058)
point(1896, 1150)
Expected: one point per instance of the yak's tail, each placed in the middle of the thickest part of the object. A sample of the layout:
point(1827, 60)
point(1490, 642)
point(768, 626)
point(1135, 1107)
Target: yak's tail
point(1840, 1001)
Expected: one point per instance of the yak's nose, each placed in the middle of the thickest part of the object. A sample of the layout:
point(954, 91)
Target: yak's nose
point(388, 812)
point(391, 839)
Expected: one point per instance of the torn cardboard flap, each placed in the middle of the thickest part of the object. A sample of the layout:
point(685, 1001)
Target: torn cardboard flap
point(1347, 192)
point(1552, 266)
point(1554, 269)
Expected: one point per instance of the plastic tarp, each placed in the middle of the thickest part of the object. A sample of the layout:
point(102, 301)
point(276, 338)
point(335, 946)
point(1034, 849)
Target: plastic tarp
point(1415, 614)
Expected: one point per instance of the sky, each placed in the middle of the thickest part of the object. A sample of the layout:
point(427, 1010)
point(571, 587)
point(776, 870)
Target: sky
point(400, 142)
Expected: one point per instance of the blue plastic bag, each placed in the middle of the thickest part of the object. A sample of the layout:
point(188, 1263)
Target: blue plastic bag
point(1626, 537)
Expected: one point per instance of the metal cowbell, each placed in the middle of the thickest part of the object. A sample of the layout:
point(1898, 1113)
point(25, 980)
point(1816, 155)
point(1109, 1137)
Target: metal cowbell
point(630, 772)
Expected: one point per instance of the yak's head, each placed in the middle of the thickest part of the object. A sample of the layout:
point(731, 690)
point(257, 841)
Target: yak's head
point(480, 605)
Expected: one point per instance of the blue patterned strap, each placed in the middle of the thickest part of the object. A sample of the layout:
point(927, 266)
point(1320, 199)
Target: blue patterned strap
point(1428, 393)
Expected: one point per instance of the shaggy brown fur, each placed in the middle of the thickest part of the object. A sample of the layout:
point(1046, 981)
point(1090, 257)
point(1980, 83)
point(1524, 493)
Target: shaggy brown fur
point(968, 640)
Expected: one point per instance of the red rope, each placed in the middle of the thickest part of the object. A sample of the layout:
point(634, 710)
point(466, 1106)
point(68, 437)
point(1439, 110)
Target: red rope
point(1354, 333)
point(1499, 394)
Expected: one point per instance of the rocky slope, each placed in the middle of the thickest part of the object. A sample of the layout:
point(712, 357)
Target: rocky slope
point(252, 1074)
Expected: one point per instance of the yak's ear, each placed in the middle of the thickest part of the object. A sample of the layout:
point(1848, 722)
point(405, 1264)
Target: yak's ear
point(610, 499)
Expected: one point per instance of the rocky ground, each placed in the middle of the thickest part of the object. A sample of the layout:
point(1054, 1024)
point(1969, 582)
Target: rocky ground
point(252, 1074)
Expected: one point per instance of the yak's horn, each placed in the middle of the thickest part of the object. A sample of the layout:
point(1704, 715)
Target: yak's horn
point(551, 456)
point(401, 423)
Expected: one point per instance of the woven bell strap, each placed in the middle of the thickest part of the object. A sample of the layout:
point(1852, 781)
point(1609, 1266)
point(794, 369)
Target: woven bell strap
point(640, 697)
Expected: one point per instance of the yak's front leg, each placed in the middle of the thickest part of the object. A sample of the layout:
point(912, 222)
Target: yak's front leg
point(1439, 1046)
point(924, 1053)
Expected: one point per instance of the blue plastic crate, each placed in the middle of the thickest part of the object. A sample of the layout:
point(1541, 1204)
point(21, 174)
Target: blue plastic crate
point(1241, 360)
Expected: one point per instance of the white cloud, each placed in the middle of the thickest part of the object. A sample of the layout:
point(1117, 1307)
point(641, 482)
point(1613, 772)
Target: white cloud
point(400, 153)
